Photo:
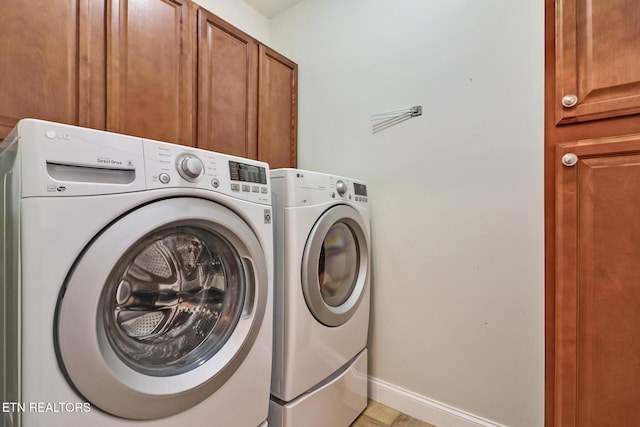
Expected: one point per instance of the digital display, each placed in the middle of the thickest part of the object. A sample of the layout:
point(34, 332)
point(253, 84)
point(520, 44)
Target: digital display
point(247, 173)
point(360, 189)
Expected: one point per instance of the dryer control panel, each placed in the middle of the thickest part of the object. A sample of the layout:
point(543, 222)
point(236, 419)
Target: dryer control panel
point(306, 188)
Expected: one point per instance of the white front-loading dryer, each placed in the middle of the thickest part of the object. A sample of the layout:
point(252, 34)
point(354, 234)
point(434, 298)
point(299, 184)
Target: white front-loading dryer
point(322, 275)
point(137, 282)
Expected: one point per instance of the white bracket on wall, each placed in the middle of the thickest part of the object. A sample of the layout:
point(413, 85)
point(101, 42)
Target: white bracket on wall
point(382, 121)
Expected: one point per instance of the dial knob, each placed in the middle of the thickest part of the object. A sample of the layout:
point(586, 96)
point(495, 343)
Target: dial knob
point(341, 188)
point(189, 167)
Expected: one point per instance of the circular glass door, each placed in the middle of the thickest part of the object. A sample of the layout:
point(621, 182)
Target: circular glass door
point(174, 300)
point(335, 266)
point(338, 264)
point(161, 308)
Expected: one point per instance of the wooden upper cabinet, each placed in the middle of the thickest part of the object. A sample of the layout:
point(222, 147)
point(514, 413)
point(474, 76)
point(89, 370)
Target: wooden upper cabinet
point(149, 69)
point(136, 66)
point(597, 294)
point(278, 109)
point(48, 62)
point(597, 51)
point(227, 87)
point(247, 95)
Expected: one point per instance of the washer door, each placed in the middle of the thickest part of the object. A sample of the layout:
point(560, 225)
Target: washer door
point(161, 308)
point(335, 265)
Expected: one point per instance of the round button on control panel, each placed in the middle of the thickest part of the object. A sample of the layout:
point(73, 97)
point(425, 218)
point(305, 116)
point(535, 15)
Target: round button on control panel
point(164, 178)
point(190, 167)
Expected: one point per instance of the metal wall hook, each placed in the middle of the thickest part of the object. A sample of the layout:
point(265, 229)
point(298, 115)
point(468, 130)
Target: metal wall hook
point(386, 120)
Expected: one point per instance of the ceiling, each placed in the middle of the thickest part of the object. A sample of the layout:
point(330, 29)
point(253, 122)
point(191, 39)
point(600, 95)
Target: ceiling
point(271, 8)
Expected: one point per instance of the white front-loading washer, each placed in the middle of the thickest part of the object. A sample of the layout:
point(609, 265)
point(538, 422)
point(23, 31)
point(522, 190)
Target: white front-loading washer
point(136, 282)
point(321, 317)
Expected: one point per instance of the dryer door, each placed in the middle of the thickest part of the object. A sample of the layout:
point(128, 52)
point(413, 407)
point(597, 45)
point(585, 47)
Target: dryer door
point(161, 308)
point(335, 265)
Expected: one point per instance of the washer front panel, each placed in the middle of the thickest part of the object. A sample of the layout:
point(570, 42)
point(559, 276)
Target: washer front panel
point(335, 265)
point(162, 308)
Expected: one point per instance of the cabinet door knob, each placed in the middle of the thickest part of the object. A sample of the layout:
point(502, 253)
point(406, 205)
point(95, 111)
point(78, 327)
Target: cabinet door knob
point(569, 100)
point(569, 159)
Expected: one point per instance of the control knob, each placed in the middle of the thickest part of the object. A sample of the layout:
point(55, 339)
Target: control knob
point(341, 187)
point(189, 167)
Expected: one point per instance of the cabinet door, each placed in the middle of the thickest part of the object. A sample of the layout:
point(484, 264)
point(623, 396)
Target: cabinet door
point(227, 79)
point(597, 59)
point(49, 69)
point(597, 336)
point(278, 110)
point(149, 69)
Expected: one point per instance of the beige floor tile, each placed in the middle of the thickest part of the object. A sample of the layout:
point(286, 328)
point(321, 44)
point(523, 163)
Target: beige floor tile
point(406, 421)
point(364, 421)
point(381, 412)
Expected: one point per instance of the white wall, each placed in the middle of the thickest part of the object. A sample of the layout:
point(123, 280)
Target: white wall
point(456, 194)
point(242, 16)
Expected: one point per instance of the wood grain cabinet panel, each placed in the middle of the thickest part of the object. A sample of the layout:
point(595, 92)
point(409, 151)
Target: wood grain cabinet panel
point(597, 56)
point(149, 69)
point(278, 109)
point(49, 57)
point(247, 95)
point(592, 213)
point(227, 87)
point(598, 284)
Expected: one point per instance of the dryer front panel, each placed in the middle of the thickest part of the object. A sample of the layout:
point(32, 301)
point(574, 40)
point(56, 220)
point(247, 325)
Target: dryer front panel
point(161, 308)
point(335, 265)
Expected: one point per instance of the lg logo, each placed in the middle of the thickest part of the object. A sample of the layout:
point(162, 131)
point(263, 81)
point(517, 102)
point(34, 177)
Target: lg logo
point(52, 134)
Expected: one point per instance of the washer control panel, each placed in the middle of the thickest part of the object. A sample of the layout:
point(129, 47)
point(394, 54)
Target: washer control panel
point(172, 165)
point(76, 161)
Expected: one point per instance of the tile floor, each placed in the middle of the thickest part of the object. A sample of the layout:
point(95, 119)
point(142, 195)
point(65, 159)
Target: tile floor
point(379, 415)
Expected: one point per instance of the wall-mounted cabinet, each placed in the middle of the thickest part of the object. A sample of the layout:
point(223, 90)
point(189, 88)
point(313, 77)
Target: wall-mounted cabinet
point(149, 69)
point(227, 87)
point(277, 109)
point(50, 68)
point(247, 95)
point(160, 69)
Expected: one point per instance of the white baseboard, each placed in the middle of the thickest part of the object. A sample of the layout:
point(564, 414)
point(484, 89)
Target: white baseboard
point(422, 408)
